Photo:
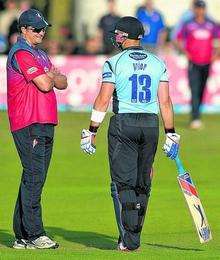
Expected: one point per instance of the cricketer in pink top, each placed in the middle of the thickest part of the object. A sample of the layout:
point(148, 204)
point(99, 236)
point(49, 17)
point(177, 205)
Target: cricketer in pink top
point(26, 103)
point(198, 39)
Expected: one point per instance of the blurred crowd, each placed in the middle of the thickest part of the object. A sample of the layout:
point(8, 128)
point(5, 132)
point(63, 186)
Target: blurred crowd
point(10, 11)
point(157, 34)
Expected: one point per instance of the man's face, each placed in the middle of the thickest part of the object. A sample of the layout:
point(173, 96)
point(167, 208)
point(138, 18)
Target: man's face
point(199, 11)
point(32, 35)
point(149, 4)
point(120, 38)
point(111, 6)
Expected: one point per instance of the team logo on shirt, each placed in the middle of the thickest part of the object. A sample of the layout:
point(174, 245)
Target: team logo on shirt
point(138, 55)
point(31, 70)
point(106, 75)
point(39, 15)
point(201, 34)
point(155, 18)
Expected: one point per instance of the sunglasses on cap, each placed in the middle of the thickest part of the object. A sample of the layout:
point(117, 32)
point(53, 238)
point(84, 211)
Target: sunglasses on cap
point(37, 30)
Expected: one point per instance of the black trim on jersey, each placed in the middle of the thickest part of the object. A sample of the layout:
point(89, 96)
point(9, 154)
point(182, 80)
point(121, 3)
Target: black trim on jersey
point(108, 82)
point(134, 48)
point(110, 66)
point(164, 80)
point(115, 103)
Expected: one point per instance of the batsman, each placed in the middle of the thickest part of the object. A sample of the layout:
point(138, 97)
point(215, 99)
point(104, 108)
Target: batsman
point(138, 82)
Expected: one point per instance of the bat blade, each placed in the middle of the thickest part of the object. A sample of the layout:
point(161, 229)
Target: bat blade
point(195, 206)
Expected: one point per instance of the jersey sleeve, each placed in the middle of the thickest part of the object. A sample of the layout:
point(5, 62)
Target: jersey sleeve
point(28, 65)
point(216, 32)
point(138, 13)
point(164, 76)
point(161, 24)
point(101, 24)
point(108, 74)
point(181, 33)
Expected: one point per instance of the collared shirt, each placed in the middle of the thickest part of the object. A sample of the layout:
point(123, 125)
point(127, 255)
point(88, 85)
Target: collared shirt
point(26, 103)
point(136, 84)
point(198, 40)
point(153, 24)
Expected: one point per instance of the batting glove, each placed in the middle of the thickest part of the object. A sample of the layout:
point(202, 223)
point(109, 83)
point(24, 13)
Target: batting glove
point(86, 143)
point(171, 146)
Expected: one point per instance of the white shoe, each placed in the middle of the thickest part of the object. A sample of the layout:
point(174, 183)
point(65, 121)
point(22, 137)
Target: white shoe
point(121, 247)
point(43, 242)
point(22, 244)
point(196, 124)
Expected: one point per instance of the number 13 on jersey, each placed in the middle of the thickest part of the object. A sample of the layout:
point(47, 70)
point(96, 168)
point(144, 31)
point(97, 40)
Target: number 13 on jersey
point(140, 88)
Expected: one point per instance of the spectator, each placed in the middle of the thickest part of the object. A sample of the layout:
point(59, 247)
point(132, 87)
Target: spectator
point(25, 5)
point(7, 16)
point(195, 39)
point(186, 16)
point(153, 22)
point(3, 44)
point(69, 44)
point(53, 47)
point(107, 24)
point(92, 46)
point(12, 33)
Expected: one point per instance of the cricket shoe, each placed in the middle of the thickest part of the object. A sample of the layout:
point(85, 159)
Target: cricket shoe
point(122, 248)
point(196, 124)
point(22, 244)
point(43, 242)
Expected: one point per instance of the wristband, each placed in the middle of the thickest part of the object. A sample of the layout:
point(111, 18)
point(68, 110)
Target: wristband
point(170, 130)
point(97, 116)
point(93, 129)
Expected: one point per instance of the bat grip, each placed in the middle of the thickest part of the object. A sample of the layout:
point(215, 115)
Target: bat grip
point(179, 165)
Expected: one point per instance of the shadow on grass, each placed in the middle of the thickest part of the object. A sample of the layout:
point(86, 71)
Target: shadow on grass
point(6, 239)
point(174, 247)
point(88, 239)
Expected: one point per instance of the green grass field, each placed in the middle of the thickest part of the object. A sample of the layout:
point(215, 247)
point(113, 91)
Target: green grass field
point(77, 205)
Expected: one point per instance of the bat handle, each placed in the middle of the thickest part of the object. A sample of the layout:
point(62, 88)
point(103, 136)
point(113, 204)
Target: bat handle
point(179, 165)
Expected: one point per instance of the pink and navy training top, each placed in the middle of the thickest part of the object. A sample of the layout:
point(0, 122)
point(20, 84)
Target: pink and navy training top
point(26, 103)
point(198, 39)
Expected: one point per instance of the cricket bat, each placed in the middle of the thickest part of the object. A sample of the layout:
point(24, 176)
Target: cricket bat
point(195, 206)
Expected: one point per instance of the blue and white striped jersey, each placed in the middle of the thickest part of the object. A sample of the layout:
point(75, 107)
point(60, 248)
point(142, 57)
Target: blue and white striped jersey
point(136, 74)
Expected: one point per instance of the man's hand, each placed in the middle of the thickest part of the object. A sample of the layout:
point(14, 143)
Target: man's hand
point(60, 80)
point(55, 71)
point(171, 146)
point(87, 143)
